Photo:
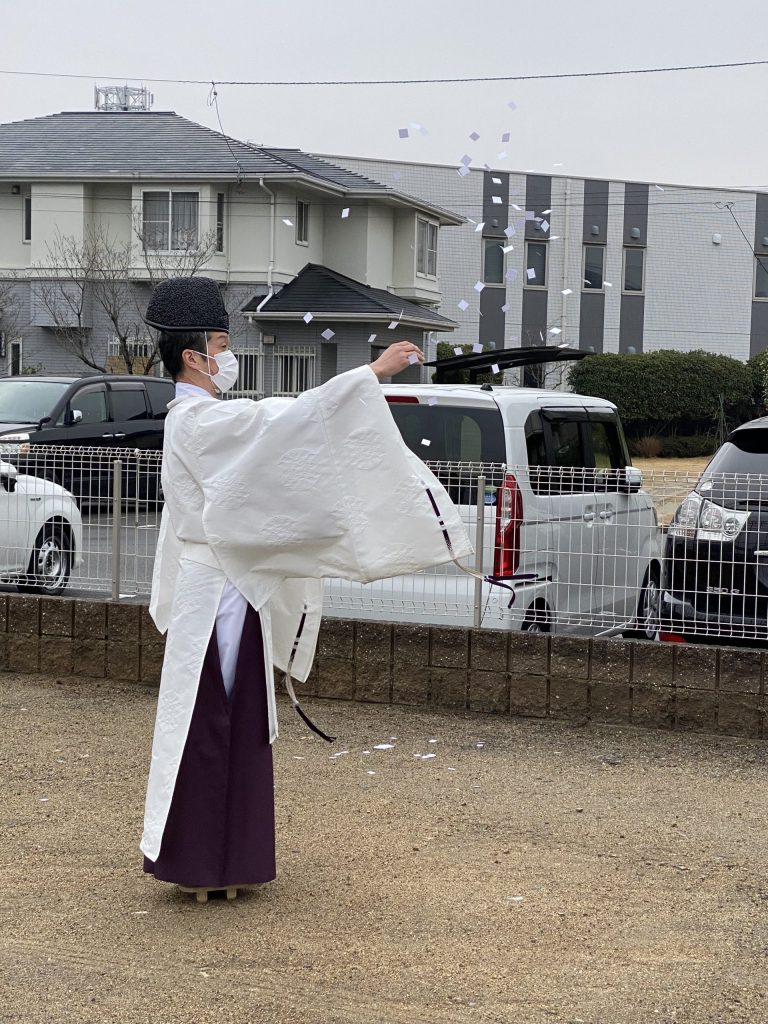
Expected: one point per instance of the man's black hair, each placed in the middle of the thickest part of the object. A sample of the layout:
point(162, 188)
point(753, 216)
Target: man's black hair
point(173, 343)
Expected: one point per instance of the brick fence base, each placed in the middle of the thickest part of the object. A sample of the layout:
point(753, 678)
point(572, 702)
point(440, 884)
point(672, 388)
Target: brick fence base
point(671, 686)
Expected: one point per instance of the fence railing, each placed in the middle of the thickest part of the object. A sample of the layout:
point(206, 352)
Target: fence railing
point(570, 549)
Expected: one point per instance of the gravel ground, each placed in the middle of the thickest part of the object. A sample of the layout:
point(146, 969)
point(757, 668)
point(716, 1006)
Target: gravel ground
point(527, 872)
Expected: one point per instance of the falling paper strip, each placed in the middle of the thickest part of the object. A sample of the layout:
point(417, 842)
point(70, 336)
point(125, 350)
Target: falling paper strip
point(530, 273)
point(553, 238)
point(371, 339)
point(659, 188)
point(413, 358)
point(403, 133)
point(328, 334)
point(345, 213)
point(307, 317)
point(479, 286)
point(463, 304)
point(458, 351)
point(463, 171)
point(431, 401)
point(515, 206)
point(474, 136)
point(426, 442)
point(497, 200)
point(567, 291)
point(495, 368)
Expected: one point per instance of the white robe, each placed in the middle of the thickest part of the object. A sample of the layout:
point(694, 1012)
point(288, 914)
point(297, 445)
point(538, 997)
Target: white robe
point(272, 497)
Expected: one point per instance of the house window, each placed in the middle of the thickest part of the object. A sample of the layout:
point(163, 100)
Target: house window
point(139, 350)
point(220, 222)
point(634, 269)
point(170, 220)
point(536, 264)
point(27, 227)
point(250, 380)
point(302, 222)
point(761, 277)
point(15, 361)
point(594, 263)
point(493, 261)
point(426, 248)
point(293, 370)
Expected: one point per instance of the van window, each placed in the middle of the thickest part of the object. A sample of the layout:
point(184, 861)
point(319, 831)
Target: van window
point(606, 445)
point(128, 403)
point(92, 403)
point(567, 443)
point(161, 392)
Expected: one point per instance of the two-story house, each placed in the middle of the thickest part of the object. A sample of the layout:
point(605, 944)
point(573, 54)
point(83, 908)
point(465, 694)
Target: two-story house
point(320, 267)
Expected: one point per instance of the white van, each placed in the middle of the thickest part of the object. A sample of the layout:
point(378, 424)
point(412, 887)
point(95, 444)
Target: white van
point(560, 503)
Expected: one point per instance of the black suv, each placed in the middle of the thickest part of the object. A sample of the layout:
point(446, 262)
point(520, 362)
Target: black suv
point(716, 555)
point(101, 411)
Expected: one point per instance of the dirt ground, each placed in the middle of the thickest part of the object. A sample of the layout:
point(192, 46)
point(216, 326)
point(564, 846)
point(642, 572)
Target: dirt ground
point(669, 481)
point(527, 872)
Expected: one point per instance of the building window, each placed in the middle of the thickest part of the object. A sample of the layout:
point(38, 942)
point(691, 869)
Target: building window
point(536, 264)
point(170, 221)
point(302, 222)
point(15, 361)
point(594, 266)
point(634, 269)
point(761, 277)
point(426, 248)
point(250, 380)
point(493, 261)
point(220, 222)
point(139, 350)
point(27, 227)
point(293, 370)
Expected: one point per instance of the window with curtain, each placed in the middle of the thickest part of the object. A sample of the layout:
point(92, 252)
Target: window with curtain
point(426, 248)
point(171, 220)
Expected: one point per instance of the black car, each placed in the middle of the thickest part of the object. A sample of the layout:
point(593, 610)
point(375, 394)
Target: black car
point(716, 554)
point(108, 412)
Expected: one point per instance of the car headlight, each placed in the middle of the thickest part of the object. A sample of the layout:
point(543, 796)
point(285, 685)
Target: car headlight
point(701, 519)
point(16, 443)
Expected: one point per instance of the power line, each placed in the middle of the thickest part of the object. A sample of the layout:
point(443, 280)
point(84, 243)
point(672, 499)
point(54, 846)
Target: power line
point(399, 81)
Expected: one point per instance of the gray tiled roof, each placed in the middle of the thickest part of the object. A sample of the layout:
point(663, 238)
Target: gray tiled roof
point(327, 294)
point(152, 144)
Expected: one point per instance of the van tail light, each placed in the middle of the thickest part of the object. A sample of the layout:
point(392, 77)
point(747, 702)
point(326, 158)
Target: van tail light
point(509, 520)
point(671, 638)
point(402, 399)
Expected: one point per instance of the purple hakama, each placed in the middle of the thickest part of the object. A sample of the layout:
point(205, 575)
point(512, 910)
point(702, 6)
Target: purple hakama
point(220, 830)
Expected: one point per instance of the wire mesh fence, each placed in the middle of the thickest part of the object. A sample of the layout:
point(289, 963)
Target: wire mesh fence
point(569, 549)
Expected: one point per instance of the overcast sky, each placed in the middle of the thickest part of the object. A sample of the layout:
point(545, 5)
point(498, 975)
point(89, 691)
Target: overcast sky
point(698, 127)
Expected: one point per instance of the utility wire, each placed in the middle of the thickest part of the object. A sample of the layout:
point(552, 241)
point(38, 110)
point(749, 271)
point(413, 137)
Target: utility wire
point(400, 81)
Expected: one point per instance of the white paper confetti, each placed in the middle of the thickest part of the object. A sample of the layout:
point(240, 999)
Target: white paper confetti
point(370, 773)
point(510, 231)
point(511, 274)
point(463, 171)
point(474, 136)
point(545, 225)
point(512, 105)
point(413, 358)
point(501, 156)
point(607, 284)
point(307, 318)
point(507, 248)
point(371, 338)
point(554, 238)
point(567, 291)
point(516, 899)
point(458, 351)
point(530, 214)
point(516, 207)
point(505, 136)
point(530, 273)
point(496, 181)
point(328, 334)
point(466, 160)
point(383, 746)
point(345, 213)
point(480, 226)
point(431, 401)
point(505, 308)
point(340, 753)
point(477, 348)
point(659, 188)
point(463, 304)
point(479, 286)
point(452, 769)
point(288, 221)
point(403, 133)
point(564, 344)
point(495, 368)
point(433, 741)
point(555, 330)
point(397, 175)
point(426, 442)
point(559, 164)
point(393, 325)
point(496, 200)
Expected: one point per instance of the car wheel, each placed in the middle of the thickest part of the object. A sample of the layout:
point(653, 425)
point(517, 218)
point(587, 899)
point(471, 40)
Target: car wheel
point(648, 622)
point(50, 562)
point(537, 619)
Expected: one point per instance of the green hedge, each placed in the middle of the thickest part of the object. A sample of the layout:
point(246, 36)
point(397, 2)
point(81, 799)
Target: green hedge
point(667, 392)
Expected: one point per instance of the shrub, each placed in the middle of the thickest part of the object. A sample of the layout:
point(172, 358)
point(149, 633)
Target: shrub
point(648, 447)
point(690, 447)
point(669, 392)
point(758, 366)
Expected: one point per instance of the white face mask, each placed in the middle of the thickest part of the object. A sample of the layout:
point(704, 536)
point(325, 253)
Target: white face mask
point(229, 369)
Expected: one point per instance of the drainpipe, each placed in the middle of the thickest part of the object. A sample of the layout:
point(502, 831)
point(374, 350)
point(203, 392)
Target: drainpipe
point(272, 228)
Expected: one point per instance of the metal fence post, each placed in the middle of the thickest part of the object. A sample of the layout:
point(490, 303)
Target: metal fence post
point(117, 516)
point(479, 544)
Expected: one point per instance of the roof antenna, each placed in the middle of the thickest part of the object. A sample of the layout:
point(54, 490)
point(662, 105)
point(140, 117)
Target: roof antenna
point(213, 101)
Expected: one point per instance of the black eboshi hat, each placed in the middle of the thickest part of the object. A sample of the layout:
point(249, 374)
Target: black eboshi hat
point(187, 304)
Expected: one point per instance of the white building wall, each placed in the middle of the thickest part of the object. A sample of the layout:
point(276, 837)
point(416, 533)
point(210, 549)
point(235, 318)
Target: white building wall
point(614, 259)
point(698, 295)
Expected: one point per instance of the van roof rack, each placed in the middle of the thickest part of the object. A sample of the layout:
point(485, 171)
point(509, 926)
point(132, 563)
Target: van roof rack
point(481, 362)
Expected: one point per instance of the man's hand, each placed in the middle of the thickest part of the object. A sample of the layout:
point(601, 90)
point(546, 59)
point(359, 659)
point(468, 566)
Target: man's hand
point(396, 358)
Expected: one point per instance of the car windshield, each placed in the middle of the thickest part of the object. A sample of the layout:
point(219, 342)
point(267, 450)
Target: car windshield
point(27, 401)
